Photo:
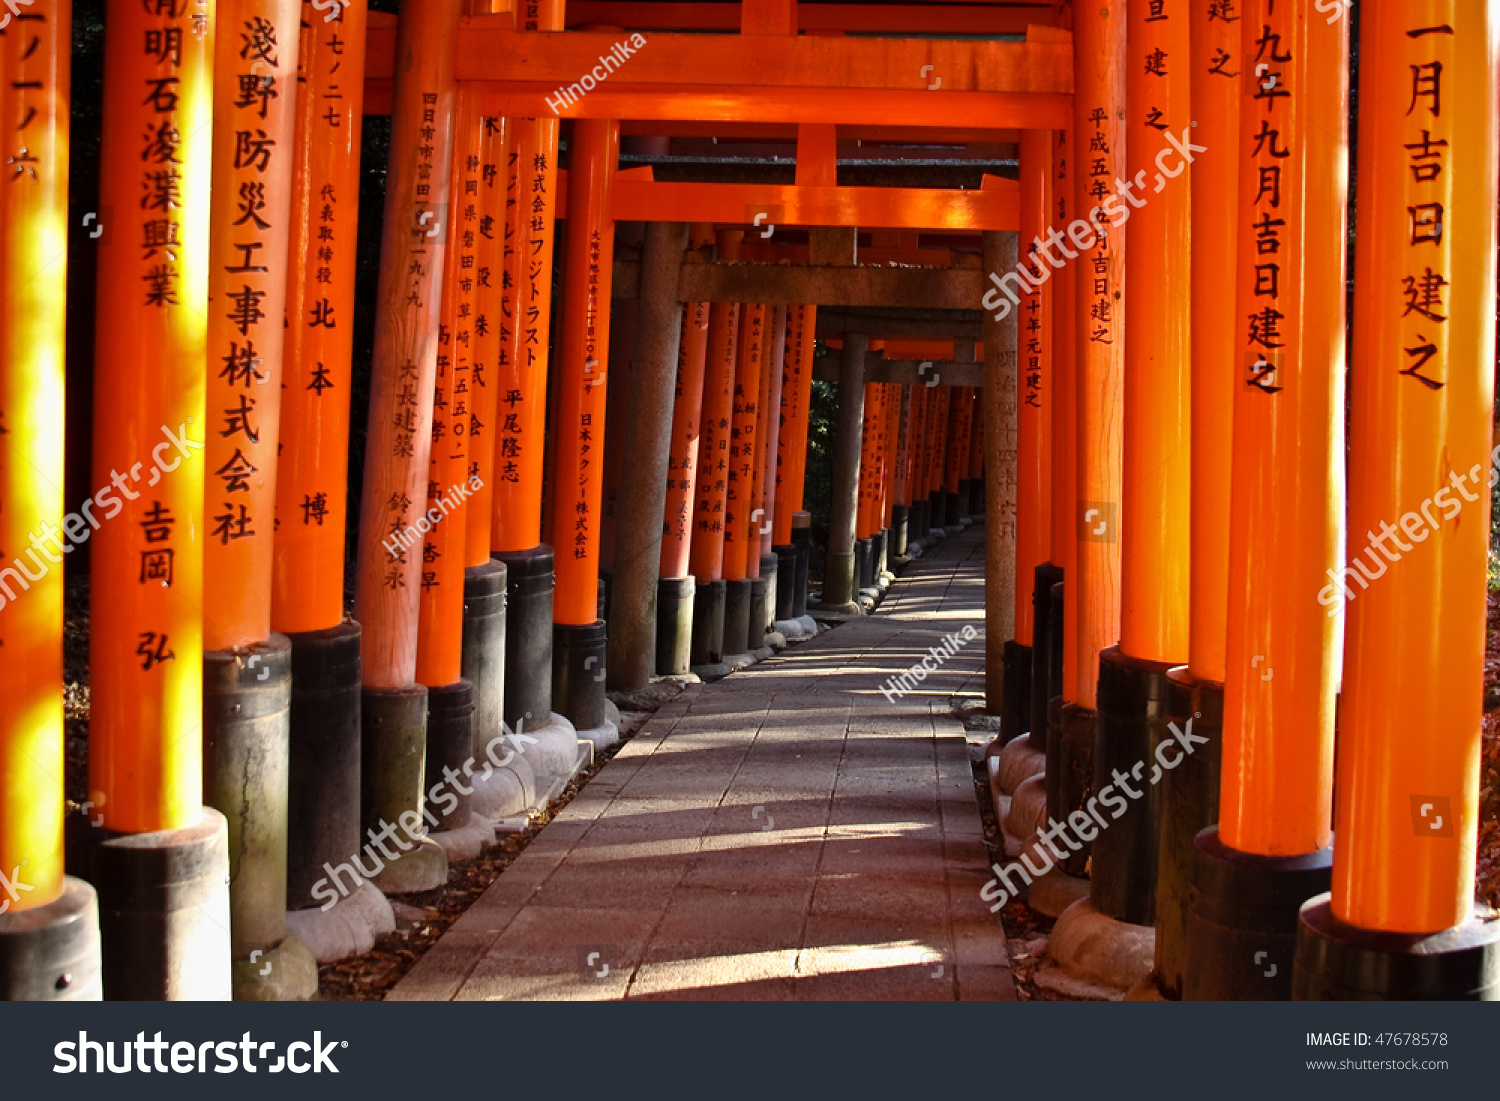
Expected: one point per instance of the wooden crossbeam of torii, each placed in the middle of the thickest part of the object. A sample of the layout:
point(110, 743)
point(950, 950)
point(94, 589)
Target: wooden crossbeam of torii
point(917, 82)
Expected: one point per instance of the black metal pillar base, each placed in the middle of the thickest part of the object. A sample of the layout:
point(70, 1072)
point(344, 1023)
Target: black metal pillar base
point(965, 499)
point(528, 635)
point(1047, 575)
point(786, 580)
point(736, 615)
point(450, 746)
point(51, 953)
point(675, 600)
point(953, 509)
point(1242, 920)
point(770, 573)
point(1015, 693)
point(937, 502)
point(864, 563)
point(323, 802)
point(163, 908)
point(802, 540)
point(976, 500)
point(1336, 961)
point(755, 620)
point(602, 589)
point(708, 624)
point(1189, 805)
point(879, 559)
point(922, 510)
point(484, 647)
point(1056, 637)
point(1070, 770)
point(900, 531)
point(393, 752)
point(578, 673)
point(1132, 724)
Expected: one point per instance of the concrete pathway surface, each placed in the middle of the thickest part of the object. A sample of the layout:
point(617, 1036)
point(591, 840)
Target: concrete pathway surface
point(784, 833)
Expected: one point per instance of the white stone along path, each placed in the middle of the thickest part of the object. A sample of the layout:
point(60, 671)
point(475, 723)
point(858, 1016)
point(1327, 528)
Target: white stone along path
point(782, 834)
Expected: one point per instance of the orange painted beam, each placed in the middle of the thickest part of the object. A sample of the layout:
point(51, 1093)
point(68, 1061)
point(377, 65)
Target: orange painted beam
point(956, 18)
point(1420, 466)
point(638, 198)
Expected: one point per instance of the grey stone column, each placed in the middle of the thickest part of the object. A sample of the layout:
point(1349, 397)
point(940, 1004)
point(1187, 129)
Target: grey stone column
point(838, 572)
point(999, 335)
point(643, 477)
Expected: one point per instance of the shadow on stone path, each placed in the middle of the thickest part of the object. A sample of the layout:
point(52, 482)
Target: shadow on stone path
point(786, 833)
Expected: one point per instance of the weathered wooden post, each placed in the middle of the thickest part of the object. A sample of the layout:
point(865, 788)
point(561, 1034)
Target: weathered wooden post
point(839, 578)
point(1270, 851)
point(146, 577)
point(1400, 923)
point(49, 921)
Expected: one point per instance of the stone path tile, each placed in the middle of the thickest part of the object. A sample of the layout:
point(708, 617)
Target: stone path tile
point(787, 833)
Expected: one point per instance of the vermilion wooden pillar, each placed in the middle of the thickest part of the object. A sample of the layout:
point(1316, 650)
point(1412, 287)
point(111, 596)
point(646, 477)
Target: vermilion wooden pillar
point(307, 579)
point(394, 515)
point(706, 555)
point(521, 415)
point(578, 636)
point(1420, 461)
point(34, 86)
point(1286, 505)
point(739, 490)
point(146, 570)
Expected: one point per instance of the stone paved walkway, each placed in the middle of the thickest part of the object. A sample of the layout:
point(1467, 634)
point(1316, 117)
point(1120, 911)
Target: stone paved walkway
point(784, 833)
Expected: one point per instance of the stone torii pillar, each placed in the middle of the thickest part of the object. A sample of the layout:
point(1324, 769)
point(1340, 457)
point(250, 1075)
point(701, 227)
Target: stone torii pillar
point(146, 596)
point(838, 571)
point(648, 444)
point(49, 922)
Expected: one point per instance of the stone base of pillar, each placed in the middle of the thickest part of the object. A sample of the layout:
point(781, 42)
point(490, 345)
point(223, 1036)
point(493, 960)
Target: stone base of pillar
point(976, 498)
point(1132, 725)
point(1046, 576)
point(675, 599)
point(51, 953)
point(1091, 955)
point(1070, 769)
point(900, 533)
point(708, 629)
point(450, 746)
point(578, 673)
point(1015, 695)
point(1054, 892)
point(1336, 961)
point(802, 540)
point(247, 699)
point(163, 908)
point(938, 516)
point(358, 914)
point(864, 563)
point(786, 581)
point(1242, 920)
point(1189, 805)
point(484, 647)
point(963, 509)
point(324, 747)
point(953, 510)
point(393, 749)
point(736, 616)
point(602, 589)
point(755, 622)
point(880, 543)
